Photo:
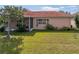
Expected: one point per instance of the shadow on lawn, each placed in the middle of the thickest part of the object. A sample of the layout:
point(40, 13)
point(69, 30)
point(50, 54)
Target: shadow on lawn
point(23, 33)
point(36, 31)
point(28, 33)
point(10, 46)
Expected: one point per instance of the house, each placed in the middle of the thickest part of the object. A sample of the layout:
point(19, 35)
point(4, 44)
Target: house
point(40, 19)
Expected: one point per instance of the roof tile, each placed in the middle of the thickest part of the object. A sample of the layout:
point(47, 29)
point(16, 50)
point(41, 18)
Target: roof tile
point(46, 14)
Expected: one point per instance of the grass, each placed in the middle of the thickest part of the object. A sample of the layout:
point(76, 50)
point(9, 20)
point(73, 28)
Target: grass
point(48, 42)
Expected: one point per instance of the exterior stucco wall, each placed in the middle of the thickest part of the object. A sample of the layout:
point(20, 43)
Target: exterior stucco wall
point(60, 22)
point(73, 23)
point(56, 22)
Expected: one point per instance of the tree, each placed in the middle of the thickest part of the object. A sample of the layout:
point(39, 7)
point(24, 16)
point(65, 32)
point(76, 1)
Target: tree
point(12, 46)
point(64, 12)
point(61, 11)
point(9, 13)
point(77, 20)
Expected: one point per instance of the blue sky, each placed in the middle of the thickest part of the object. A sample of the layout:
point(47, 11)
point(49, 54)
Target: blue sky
point(68, 8)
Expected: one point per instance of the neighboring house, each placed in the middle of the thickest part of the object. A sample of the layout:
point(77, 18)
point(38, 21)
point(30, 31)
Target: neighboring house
point(40, 19)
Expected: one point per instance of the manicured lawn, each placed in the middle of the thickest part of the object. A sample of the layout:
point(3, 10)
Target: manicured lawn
point(49, 42)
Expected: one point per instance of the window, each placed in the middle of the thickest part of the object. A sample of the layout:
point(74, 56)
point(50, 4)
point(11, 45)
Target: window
point(41, 21)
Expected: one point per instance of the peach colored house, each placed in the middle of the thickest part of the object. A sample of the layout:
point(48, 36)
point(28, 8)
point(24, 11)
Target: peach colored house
point(39, 20)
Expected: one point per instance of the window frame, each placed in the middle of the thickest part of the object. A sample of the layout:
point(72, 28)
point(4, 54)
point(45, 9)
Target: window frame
point(41, 21)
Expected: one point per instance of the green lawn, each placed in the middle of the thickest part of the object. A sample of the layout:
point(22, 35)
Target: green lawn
point(49, 42)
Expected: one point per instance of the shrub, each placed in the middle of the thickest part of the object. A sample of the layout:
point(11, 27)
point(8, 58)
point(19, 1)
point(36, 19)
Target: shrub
point(2, 29)
point(10, 46)
point(77, 20)
point(50, 27)
point(65, 29)
point(21, 28)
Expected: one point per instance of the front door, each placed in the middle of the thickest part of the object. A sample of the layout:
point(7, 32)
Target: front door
point(28, 23)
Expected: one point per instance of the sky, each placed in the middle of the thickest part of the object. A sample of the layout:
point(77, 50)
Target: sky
point(66, 8)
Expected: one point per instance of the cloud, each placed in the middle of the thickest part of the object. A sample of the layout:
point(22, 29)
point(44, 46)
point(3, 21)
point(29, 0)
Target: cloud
point(49, 8)
point(62, 7)
point(73, 6)
point(68, 8)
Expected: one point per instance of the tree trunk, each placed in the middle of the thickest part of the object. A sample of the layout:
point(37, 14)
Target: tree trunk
point(8, 32)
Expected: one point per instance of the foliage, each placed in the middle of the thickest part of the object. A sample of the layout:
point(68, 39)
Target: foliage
point(12, 12)
point(9, 13)
point(2, 29)
point(1, 20)
point(50, 27)
point(77, 21)
point(65, 29)
point(21, 26)
point(10, 46)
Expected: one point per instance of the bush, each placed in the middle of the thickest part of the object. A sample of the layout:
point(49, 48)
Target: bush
point(21, 28)
point(10, 46)
point(65, 29)
point(77, 20)
point(50, 27)
point(2, 29)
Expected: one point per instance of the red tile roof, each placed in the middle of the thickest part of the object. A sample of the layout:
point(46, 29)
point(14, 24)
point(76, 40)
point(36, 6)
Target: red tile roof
point(46, 14)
